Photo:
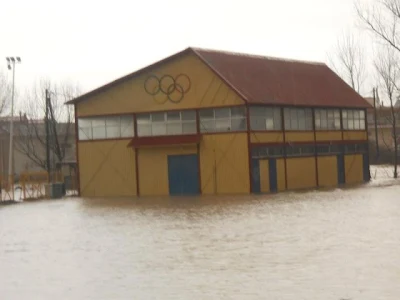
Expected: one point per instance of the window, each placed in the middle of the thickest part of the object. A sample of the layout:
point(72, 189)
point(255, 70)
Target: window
point(265, 118)
point(265, 152)
point(167, 123)
point(223, 119)
point(298, 119)
point(112, 127)
point(85, 129)
point(300, 150)
point(329, 149)
point(353, 119)
point(327, 119)
point(356, 148)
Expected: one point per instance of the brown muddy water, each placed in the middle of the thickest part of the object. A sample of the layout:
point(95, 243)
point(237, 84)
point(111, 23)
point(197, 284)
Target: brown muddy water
point(342, 244)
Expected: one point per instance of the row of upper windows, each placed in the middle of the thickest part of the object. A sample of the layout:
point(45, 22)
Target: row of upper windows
point(219, 120)
point(308, 150)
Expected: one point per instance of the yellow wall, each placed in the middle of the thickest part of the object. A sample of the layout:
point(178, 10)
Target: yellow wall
point(301, 173)
point(328, 136)
point(107, 168)
point(299, 136)
point(353, 165)
point(153, 168)
point(280, 170)
point(130, 96)
point(224, 164)
point(327, 171)
point(264, 176)
point(355, 135)
point(270, 137)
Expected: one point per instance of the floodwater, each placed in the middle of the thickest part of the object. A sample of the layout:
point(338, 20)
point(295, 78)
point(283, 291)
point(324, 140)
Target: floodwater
point(341, 244)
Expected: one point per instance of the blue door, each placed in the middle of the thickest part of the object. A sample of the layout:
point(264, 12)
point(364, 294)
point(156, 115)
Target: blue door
point(273, 180)
point(255, 176)
point(340, 169)
point(183, 175)
point(367, 175)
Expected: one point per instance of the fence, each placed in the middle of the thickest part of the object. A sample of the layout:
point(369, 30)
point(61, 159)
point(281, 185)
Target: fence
point(32, 185)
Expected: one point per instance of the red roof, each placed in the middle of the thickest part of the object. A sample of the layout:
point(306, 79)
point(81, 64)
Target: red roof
point(266, 80)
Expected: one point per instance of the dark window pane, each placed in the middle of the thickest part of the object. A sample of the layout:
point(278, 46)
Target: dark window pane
point(335, 149)
point(238, 112)
point(188, 115)
point(276, 151)
point(323, 149)
point(143, 118)
point(350, 148)
point(206, 114)
point(158, 117)
point(173, 116)
point(222, 113)
point(257, 111)
point(307, 150)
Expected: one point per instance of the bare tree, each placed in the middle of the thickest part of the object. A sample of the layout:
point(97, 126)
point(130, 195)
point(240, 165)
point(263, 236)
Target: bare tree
point(348, 60)
point(32, 131)
point(387, 68)
point(382, 19)
point(5, 93)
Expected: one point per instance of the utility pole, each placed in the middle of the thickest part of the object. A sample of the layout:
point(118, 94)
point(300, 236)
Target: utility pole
point(375, 92)
point(47, 133)
point(11, 61)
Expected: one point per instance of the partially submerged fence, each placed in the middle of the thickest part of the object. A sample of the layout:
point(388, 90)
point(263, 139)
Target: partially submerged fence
point(32, 185)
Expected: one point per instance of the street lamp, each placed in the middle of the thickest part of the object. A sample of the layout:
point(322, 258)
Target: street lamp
point(11, 61)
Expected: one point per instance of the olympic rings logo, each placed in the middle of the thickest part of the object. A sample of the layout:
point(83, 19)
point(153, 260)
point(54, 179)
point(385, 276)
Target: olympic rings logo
point(167, 88)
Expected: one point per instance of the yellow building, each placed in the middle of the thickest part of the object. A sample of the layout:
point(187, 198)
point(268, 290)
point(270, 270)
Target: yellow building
point(212, 122)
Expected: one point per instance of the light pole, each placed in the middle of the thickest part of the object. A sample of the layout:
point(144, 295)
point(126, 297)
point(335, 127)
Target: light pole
point(11, 61)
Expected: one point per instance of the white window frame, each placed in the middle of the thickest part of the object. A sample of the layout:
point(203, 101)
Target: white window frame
point(296, 124)
point(86, 132)
point(214, 123)
point(353, 119)
point(265, 118)
point(163, 122)
point(327, 119)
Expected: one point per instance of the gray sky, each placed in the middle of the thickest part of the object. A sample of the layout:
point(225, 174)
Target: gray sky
point(94, 42)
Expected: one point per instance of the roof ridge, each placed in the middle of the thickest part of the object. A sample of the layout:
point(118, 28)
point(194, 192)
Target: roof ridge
point(229, 52)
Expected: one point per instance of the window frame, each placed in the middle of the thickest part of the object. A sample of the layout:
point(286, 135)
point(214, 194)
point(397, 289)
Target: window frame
point(210, 122)
point(319, 113)
point(301, 148)
point(103, 127)
point(358, 119)
point(166, 122)
point(265, 114)
point(295, 111)
point(263, 152)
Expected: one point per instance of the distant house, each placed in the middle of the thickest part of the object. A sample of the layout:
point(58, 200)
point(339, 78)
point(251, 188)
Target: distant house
point(383, 129)
point(29, 144)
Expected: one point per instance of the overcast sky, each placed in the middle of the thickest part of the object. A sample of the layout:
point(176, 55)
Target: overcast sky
point(94, 42)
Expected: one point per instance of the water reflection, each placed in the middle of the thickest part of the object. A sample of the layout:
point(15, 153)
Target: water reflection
point(315, 245)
